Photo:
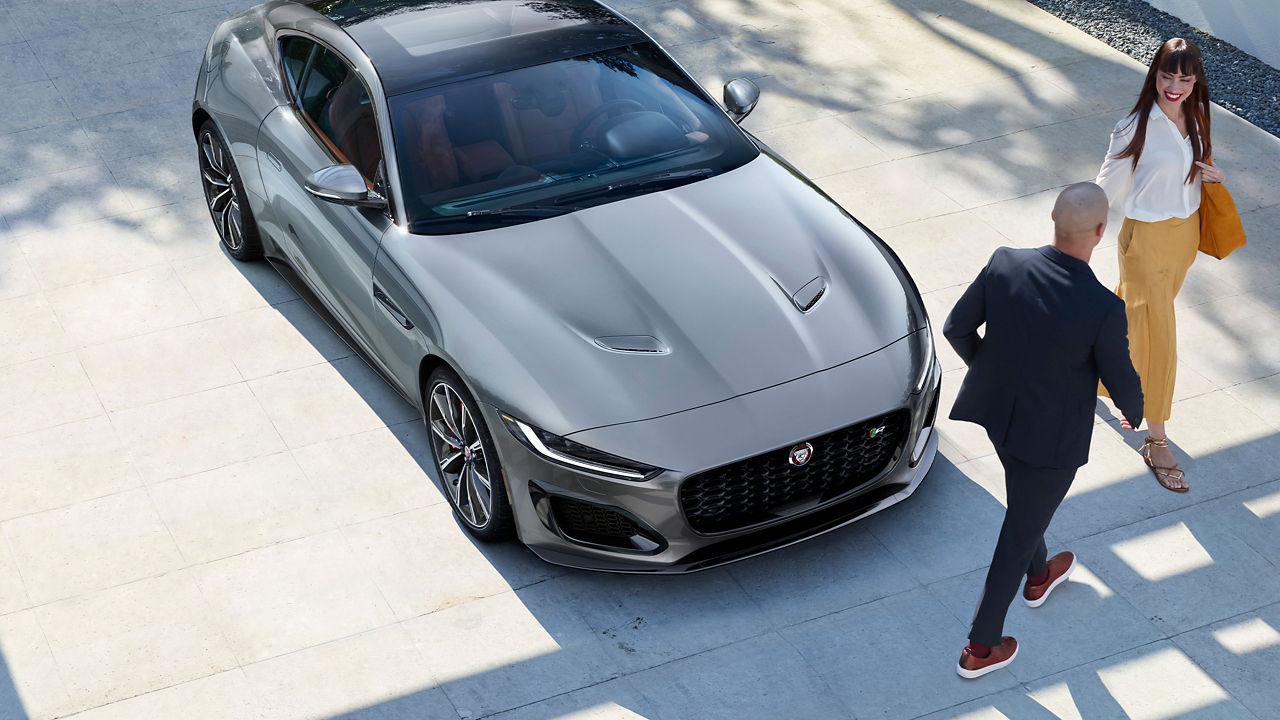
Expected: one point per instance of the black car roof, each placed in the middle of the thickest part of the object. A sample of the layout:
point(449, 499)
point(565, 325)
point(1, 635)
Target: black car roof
point(420, 43)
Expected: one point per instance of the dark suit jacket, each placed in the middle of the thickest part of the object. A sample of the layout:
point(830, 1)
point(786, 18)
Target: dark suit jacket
point(1052, 332)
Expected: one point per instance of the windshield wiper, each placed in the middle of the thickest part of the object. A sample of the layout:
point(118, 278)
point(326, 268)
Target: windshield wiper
point(533, 211)
point(678, 177)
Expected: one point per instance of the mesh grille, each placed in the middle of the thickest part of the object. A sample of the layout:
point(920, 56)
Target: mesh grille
point(764, 487)
point(593, 523)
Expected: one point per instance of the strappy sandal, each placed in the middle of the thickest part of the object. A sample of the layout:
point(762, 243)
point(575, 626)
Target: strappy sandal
point(1164, 475)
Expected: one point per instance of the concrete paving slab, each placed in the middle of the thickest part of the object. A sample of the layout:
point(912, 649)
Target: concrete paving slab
point(18, 65)
point(399, 546)
point(141, 131)
point(93, 545)
point(174, 437)
point(1239, 654)
point(162, 625)
point(61, 199)
point(33, 685)
point(16, 278)
point(1252, 515)
point(43, 393)
point(376, 674)
point(113, 88)
point(157, 366)
point(13, 593)
point(72, 53)
point(103, 248)
point(38, 19)
point(878, 657)
point(1147, 683)
point(29, 330)
point(1182, 570)
point(950, 249)
point(509, 650)
point(287, 597)
point(888, 195)
point(122, 306)
point(828, 574)
point(64, 465)
point(220, 289)
point(242, 507)
point(609, 700)
point(33, 104)
point(847, 150)
point(642, 622)
point(327, 401)
point(223, 696)
point(730, 683)
point(375, 474)
point(276, 339)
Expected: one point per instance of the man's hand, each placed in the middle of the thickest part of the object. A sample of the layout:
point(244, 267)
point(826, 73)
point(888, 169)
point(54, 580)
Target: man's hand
point(1124, 424)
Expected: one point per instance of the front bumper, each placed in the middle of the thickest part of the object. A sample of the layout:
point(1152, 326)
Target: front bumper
point(696, 440)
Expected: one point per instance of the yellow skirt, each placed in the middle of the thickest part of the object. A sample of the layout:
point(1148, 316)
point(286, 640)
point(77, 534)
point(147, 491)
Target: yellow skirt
point(1154, 259)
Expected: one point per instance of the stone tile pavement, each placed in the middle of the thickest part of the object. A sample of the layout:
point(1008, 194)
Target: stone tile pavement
point(210, 509)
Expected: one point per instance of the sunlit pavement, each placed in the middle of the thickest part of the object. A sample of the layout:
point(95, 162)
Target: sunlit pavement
point(210, 509)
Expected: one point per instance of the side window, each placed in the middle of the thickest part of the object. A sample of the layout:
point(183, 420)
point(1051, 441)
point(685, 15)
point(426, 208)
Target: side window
point(296, 52)
point(336, 104)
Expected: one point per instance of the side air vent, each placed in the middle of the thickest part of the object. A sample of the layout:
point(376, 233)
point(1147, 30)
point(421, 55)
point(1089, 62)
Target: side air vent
point(640, 344)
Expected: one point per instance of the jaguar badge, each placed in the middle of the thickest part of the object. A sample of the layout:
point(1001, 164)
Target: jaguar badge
point(800, 454)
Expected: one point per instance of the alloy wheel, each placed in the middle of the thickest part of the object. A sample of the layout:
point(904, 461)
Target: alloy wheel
point(220, 191)
point(464, 468)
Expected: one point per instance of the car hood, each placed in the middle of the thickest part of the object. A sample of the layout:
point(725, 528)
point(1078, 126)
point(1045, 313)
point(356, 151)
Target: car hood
point(707, 271)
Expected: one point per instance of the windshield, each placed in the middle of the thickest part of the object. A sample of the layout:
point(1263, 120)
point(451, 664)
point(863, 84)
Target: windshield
point(545, 140)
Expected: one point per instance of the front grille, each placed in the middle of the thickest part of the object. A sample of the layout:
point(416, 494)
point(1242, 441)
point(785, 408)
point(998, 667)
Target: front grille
point(594, 523)
point(767, 486)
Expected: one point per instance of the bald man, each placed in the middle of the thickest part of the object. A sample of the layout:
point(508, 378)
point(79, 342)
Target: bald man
point(1052, 332)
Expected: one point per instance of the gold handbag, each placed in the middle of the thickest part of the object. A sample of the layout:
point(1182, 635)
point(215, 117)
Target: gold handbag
point(1220, 228)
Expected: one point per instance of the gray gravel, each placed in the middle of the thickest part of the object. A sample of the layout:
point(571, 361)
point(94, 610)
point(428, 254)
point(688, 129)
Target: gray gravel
point(1238, 81)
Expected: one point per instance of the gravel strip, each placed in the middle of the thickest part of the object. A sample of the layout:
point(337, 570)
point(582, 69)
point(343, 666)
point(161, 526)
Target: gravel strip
point(1238, 81)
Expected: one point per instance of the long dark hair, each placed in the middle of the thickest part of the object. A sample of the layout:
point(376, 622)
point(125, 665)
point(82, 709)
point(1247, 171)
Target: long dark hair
point(1177, 56)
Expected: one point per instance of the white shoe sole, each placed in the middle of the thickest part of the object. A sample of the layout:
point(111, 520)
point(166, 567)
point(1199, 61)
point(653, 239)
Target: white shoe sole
point(1061, 579)
point(971, 674)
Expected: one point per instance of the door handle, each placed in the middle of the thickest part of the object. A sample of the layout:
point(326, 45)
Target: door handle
point(391, 308)
point(275, 161)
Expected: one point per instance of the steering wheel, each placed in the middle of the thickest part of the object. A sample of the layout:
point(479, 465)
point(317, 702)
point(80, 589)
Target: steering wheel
point(575, 138)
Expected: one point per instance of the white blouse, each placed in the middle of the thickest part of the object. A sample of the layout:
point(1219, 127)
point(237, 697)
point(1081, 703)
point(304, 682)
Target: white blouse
point(1157, 189)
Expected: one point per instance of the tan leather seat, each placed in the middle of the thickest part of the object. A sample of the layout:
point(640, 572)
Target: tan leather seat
point(542, 105)
point(353, 128)
point(430, 151)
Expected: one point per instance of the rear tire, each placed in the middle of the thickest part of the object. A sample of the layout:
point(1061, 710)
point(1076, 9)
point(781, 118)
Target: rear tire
point(225, 197)
point(466, 459)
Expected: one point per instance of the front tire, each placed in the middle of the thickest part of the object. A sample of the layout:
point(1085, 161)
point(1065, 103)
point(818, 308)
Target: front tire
point(466, 459)
point(225, 197)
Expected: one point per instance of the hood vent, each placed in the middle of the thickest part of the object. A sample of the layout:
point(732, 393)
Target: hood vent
point(639, 344)
point(809, 295)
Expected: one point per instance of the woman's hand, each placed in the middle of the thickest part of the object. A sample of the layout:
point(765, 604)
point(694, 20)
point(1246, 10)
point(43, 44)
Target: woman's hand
point(1210, 174)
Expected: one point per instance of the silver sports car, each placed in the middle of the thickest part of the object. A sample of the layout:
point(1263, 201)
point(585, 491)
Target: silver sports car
point(639, 339)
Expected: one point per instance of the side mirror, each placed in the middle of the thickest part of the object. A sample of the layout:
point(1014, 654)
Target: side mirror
point(740, 98)
point(343, 184)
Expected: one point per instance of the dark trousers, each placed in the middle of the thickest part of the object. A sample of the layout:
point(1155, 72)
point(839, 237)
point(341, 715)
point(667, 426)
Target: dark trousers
point(1034, 494)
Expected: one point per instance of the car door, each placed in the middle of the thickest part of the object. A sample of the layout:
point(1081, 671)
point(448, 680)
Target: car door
point(331, 120)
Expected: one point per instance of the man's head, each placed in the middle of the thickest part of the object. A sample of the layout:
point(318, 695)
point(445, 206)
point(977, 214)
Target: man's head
point(1079, 219)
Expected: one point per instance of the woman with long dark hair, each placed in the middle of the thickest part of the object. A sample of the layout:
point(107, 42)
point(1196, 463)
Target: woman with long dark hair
point(1159, 155)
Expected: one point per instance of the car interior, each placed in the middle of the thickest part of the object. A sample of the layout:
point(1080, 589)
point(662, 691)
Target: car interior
point(546, 121)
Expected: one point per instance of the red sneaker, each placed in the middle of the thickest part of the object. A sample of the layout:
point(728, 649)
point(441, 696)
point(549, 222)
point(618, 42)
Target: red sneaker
point(973, 667)
point(1060, 567)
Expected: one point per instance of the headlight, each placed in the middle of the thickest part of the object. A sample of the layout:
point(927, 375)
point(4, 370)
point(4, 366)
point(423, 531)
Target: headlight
point(575, 455)
point(926, 364)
